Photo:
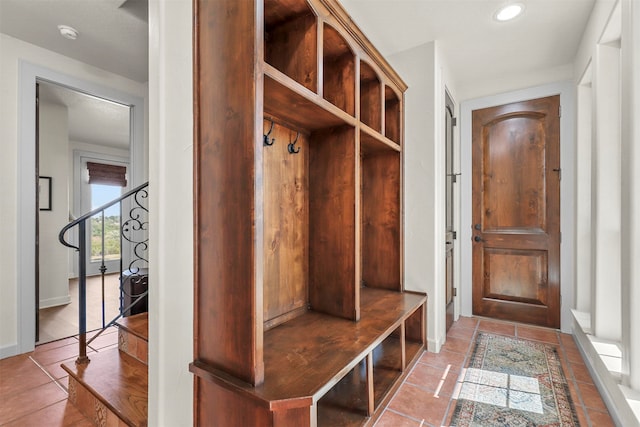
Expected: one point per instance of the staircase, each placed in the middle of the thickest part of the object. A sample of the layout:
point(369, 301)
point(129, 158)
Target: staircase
point(111, 387)
point(111, 390)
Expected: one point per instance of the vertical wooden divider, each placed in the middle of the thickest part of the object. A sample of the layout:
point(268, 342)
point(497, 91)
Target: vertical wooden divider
point(371, 395)
point(228, 167)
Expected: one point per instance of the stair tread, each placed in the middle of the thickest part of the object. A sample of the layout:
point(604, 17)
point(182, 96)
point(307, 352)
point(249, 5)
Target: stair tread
point(117, 380)
point(137, 324)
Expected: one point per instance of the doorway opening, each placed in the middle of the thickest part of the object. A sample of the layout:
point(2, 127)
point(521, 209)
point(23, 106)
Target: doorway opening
point(74, 129)
point(450, 233)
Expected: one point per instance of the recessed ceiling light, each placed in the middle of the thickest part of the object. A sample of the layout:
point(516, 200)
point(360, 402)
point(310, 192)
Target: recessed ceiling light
point(509, 12)
point(68, 32)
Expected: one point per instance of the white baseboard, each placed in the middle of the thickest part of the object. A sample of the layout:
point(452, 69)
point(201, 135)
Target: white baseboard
point(8, 351)
point(54, 302)
point(434, 346)
point(609, 389)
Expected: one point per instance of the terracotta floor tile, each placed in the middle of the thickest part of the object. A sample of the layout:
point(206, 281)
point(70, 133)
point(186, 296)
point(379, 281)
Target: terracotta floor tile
point(444, 359)
point(420, 404)
point(581, 373)
point(457, 345)
point(574, 356)
point(538, 334)
point(467, 322)
point(591, 397)
point(11, 363)
point(60, 414)
point(439, 381)
point(55, 369)
point(104, 340)
point(582, 417)
point(499, 328)
point(568, 341)
point(55, 344)
point(393, 419)
point(47, 357)
point(573, 391)
point(19, 373)
point(28, 401)
point(460, 332)
point(452, 409)
point(600, 419)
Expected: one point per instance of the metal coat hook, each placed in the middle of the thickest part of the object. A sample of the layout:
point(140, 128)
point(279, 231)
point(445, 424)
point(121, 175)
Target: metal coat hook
point(266, 137)
point(292, 145)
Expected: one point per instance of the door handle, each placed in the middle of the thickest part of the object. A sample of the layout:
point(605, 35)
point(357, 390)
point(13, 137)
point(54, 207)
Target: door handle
point(477, 227)
point(477, 239)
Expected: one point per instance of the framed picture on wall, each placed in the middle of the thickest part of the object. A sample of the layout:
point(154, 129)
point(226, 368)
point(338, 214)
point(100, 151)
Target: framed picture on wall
point(44, 191)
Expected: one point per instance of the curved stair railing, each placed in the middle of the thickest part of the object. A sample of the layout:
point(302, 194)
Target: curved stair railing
point(133, 237)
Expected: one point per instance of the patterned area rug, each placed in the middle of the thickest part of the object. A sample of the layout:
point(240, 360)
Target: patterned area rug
point(512, 382)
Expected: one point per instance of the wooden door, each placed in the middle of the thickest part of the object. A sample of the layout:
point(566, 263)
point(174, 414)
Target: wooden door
point(516, 212)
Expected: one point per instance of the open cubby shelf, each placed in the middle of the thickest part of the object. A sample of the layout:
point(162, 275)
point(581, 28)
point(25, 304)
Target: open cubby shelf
point(290, 41)
point(391, 115)
point(339, 80)
point(301, 317)
point(370, 97)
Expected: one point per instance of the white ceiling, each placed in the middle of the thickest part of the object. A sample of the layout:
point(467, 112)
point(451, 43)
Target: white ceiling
point(113, 35)
point(91, 120)
point(476, 47)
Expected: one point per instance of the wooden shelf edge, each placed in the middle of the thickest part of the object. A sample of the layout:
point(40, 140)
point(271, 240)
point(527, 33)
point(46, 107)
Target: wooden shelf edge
point(380, 138)
point(328, 114)
point(221, 378)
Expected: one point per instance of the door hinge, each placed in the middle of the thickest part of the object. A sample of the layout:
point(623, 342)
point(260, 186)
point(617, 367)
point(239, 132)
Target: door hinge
point(559, 110)
point(455, 235)
point(559, 170)
point(455, 292)
point(561, 237)
point(454, 177)
point(454, 121)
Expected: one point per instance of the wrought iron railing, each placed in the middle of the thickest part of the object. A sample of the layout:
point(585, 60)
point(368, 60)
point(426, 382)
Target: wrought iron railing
point(134, 245)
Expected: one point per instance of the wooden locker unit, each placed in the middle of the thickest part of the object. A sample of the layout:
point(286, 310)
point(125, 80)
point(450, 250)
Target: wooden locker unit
point(301, 317)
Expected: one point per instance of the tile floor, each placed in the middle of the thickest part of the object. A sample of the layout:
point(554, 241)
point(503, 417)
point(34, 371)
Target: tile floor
point(426, 396)
point(33, 386)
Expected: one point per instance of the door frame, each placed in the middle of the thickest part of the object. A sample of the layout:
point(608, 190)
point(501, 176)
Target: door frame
point(26, 210)
point(566, 90)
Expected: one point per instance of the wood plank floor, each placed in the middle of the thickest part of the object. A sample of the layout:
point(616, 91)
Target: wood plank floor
point(62, 321)
point(34, 398)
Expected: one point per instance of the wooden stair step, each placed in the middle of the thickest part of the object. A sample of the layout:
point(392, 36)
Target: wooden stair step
point(133, 333)
point(112, 388)
point(138, 325)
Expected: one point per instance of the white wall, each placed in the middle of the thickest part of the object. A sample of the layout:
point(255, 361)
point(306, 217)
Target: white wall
point(515, 82)
point(54, 162)
point(171, 214)
point(16, 189)
point(606, 319)
point(425, 72)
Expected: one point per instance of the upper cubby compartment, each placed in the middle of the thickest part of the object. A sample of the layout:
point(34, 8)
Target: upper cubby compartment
point(391, 115)
point(338, 70)
point(370, 97)
point(290, 40)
